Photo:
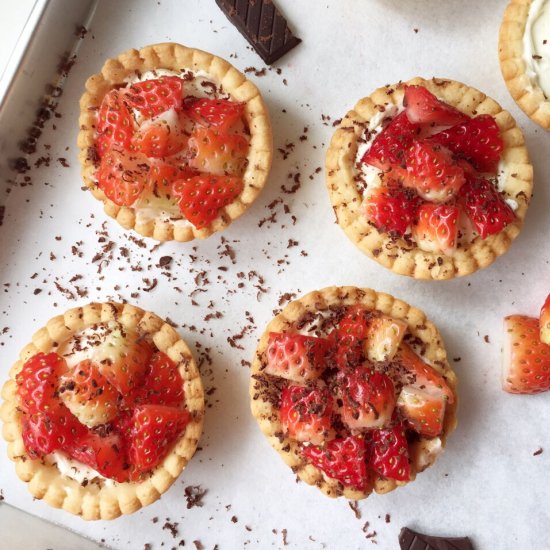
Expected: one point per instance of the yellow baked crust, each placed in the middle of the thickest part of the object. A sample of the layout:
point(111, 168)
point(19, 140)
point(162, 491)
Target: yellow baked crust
point(526, 93)
point(421, 452)
point(396, 254)
point(103, 500)
point(177, 57)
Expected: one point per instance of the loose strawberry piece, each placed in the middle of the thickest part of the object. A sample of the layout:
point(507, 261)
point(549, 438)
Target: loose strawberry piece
point(220, 113)
point(388, 149)
point(106, 455)
point(122, 175)
point(343, 460)
point(392, 209)
point(163, 384)
point(477, 140)
point(384, 336)
point(432, 171)
point(88, 394)
point(422, 411)
point(154, 430)
point(217, 152)
point(115, 125)
point(296, 357)
point(525, 359)
point(437, 228)
point(422, 375)
point(390, 453)
point(153, 97)
point(306, 413)
point(485, 207)
point(349, 337)
point(37, 381)
point(161, 136)
point(422, 107)
point(201, 198)
point(367, 397)
point(544, 322)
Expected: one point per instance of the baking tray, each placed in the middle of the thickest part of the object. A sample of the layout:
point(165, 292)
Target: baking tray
point(59, 249)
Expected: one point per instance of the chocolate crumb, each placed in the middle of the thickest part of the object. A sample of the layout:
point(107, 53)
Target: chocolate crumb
point(538, 452)
point(198, 545)
point(354, 505)
point(234, 519)
point(285, 533)
point(387, 518)
point(486, 338)
point(172, 527)
point(194, 495)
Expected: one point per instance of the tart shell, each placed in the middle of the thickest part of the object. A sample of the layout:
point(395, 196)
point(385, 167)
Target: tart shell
point(267, 414)
point(103, 500)
point(176, 57)
point(526, 93)
point(397, 254)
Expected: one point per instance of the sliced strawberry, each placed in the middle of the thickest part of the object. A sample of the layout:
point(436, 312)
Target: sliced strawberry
point(106, 455)
point(88, 394)
point(477, 140)
point(154, 429)
point(200, 198)
point(217, 152)
point(421, 375)
point(437, 228)
point(367, 398)
point(162, 176)
point(220, 113)
point(388, 149)
point(384, 336)
point(122, 175)
point(433, 172)
point(485, 207)
point(544, 322)
point(422, 411)
point(349, 337)
point(422, 107)
point(153, 97)
point(343, 460)
point(295, 356)
point(163, 384)
point(389, 453)
point(392, 208)
point(525, 359)
point(115, 125)
point(306, 413)
point(160, 136)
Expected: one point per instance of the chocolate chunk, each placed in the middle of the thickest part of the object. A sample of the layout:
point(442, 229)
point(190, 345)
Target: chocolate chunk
point(263, 25)
point(410, 540)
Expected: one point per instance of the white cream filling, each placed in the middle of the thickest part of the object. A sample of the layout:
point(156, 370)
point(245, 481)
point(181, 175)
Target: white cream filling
point(536, 45)
point(74, 469)
point(431, 449)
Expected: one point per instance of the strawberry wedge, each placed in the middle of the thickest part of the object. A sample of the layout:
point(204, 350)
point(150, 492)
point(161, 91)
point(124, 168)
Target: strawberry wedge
point(422, 107)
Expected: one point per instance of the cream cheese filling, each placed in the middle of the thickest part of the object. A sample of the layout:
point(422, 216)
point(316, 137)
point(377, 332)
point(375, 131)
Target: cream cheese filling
point(536, 45)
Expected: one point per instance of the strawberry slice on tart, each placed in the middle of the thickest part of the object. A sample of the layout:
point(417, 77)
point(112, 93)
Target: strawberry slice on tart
point(436, 229)
point(422, 410)
point(156, 96)
point(115, 125)
point(218, 113)
point(389, 453)
point(384, 337)
point(422, 107)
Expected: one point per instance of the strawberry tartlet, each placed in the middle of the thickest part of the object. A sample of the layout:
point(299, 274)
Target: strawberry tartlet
point(431, 178)
point(175, 141)
point(103, 410)
point(352, 387)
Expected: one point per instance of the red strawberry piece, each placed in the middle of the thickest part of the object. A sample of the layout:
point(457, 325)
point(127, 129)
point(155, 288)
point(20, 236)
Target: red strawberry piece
point(525, 359)
point(477, 140)
point(389, 453)
point(350, 336)
point(220, 113)
point(306, 413)
point(343, 460)
point(296, 357)
point(154, 429)
point(436, 229)
point(544, 322)
point(392, 209)
point(153, 97)
point(432, 171)
point(485, 207)
point(122, 175)
point(422, 107)
point(421, 375)
point(367, 398)
point(388, 149)
point(162, 177)
point(115, 125)
point(160, 137)
point(37, 381)
point(422, 411)
point(104, 454)
point(163, 384)
point(201, 198)
point(385, 335)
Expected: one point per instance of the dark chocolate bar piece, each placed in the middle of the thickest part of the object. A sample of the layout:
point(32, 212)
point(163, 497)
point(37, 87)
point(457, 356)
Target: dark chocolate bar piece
point(410, 540)
point(263, 25)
